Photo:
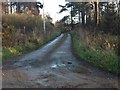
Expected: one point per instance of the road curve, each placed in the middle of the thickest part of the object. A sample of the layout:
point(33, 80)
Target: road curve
point(55, 66)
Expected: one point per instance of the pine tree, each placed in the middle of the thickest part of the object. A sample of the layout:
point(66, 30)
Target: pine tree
point(109, 24)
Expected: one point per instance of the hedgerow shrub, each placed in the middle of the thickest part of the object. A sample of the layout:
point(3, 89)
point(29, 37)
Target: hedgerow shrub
point(24, 33)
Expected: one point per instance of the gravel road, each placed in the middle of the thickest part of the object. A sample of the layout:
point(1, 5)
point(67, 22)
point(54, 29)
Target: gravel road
point(55, 66)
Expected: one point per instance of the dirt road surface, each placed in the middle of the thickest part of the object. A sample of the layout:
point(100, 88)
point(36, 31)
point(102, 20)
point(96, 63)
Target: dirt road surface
point(54, 66)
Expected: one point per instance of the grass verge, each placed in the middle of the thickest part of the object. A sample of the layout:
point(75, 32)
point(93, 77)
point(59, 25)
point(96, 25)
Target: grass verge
point(104, 59)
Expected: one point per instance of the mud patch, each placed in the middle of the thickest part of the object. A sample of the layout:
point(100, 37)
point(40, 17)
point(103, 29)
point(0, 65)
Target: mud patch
point(42, 82)
point(23, 63)
point(44, 79)
point(14, 78)
point(36, 63)
point(82, 70)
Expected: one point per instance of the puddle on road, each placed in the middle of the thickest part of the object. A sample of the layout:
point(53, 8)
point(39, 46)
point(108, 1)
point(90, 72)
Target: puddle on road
point(28, 67)
point(69, 65)
point(61, 52)
point(62, 65)
point(54, 66)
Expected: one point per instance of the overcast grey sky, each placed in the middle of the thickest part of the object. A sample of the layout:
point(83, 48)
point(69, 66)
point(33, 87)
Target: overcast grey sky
point(51, 7)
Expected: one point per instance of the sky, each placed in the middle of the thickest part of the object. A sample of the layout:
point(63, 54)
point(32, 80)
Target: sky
point(52, 8)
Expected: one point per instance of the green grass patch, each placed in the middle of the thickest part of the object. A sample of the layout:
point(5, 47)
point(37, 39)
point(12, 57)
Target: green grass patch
point(101, 58)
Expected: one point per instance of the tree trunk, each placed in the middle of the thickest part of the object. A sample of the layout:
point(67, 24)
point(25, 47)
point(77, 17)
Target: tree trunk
point(83, 17)
point(18, 7)
point(79, 14)
point(96, 13)
point(11, 7)
point(71, 18)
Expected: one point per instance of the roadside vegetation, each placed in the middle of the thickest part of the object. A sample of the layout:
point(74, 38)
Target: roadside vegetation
point(22, 28)
point(96, 51)
point(23, 33)
point(95, 29)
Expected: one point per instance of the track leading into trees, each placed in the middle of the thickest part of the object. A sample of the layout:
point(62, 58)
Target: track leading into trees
point(53, 66)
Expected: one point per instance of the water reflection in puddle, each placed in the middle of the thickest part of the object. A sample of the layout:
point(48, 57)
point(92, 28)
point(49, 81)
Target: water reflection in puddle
point(61, 52)
point(54, 66)
point(57, 65)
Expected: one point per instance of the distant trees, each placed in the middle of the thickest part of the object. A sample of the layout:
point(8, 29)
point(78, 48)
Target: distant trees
point(94, 14)
point(82, 10)
point(22, 7)
point(109, 19)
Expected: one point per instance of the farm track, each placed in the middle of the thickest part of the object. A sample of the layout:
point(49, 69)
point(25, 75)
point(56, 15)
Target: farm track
point(54, 66)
